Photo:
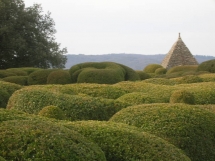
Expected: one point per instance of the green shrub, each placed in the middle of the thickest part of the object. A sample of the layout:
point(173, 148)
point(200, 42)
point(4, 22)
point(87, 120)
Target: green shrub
point(2, 159)
point(208, 66)
point(59, 77)
point(135, 98)
point(5, 73)
point(41, 140)
point(17, 71)
point(151, 68)
point(188, 79)
point(75, 107)
point(208, 77)
point(30, 70)
point(182, 96)
point(21, 80)
point(102, 73)
point(184, 68)
point(161, 81)
point(39, 76)
point(121, 142)
point(52, 112)
point(143, 75)
point(188, 127)
point(9, 87)
point(4, 97)
point(160, 71)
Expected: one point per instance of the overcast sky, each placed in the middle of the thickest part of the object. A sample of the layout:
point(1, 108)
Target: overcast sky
point(132, 26)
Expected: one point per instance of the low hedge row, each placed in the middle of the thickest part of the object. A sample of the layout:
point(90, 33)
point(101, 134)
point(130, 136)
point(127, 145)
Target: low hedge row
point(121, 142)
point(21, 80)
point(151, 68)
point(35, 139)
point(75, 107)
point(188, 127)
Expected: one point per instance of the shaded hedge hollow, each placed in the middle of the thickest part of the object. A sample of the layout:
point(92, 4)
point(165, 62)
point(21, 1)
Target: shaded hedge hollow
point(102, 73)
point(21, 80)
point(75, 107)
point(188, 127)
point(182, 96)
point(151, 68)
point(39, 76)
point(121, 142)
point(5, 73)
point(182, 69)
point(207, 66)
point(6, 90)
point(52, 112)
point(59, 77)
point(34, 139)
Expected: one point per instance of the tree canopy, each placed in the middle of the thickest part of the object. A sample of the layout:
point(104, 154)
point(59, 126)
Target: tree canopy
point(27, 37)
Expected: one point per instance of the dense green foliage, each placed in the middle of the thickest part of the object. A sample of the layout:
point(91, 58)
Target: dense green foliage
point(121, 142)
point(182, 96)
point(102, 73)
point(160, 71)
point(75, 107)
point(59, 77)
point(21, 80)
point(151, 68)
point(188, 79)
point(143, 75)
point(27, 37)
point(208, 66)
point(5, 73)
point(182, 69)
point(4, 97)
point(188, 127)
point(17, 71)
point(23, 138)
point(52, 112)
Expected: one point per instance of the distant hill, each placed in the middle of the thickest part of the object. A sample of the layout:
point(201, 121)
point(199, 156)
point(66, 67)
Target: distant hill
point(134, 61)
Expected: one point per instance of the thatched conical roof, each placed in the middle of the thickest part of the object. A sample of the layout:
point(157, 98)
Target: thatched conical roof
point(178, 55)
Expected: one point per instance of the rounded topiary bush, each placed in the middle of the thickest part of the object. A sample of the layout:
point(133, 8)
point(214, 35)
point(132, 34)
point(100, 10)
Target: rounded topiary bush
point(39, 77)
point(59, 77)
point(102, 73)
point(52, 112)
point(182, 96)
point(75, 107)
point(5, 73)
point(143, 75)
point(21, 80)
point(184, 68)
point(188, 127)
point(208, 66)
point(151, 68)
point(121, 142)
point(30, 70)
point(134, 98)
point(189, 79)
point(17, 71)
point(9, 87)
point(160, 71)
point(4, 96)
point(41, 140)
point(161, 81)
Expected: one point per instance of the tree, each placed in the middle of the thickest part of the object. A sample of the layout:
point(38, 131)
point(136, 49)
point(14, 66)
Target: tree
point(27, 37)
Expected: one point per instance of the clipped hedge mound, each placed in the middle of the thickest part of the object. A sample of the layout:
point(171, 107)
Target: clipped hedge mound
point(134, 98)
point(182, 96)
point(17, 71)
point(59, 77)
point(4, 97)
point(184, 68)
point(188, 79)
point(208, 66)
point(40, 140)
point(151, 68)
point(161, 81)
point(207, 77)
point(5, 73)
point(30, 70)
point(121, 142)
point(39, 76)
point(101, 72)
point(188, 127)
point(160, 71)
point(52, 112)
point(75, 107)
point(21, 80)
point(143, 75)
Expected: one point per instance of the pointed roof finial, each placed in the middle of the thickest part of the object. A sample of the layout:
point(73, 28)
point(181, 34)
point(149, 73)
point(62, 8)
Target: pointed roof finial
point(179, 35)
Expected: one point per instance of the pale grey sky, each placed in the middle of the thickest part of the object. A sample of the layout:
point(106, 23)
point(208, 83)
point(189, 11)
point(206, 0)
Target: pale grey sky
point(132, 26)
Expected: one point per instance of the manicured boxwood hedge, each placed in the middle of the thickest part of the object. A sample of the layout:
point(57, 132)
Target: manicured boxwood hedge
point(184, 68)
point(161, 81)
point(151, 68)
point(182, 96)
point(59, 77)
point(188, 127)
point(121, 142)
point(188, 79)
point(52, 112)
point(35, 139)
point(4, 97)
point(17, 71)
point(5, 73)
point(143, 75)
point(75, 107)
point(21, 80)
point(102, 73)
point(208, 66)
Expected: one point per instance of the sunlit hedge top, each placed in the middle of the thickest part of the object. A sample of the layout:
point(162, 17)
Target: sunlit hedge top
point(188, 127)
point(121, 142)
